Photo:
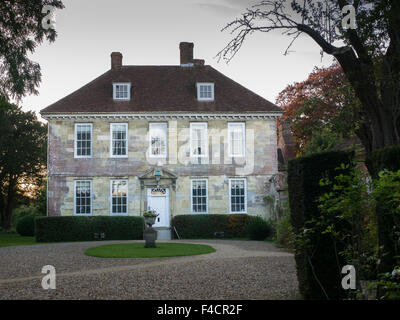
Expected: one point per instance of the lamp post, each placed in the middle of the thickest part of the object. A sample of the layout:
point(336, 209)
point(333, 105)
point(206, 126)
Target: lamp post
point(157, 174)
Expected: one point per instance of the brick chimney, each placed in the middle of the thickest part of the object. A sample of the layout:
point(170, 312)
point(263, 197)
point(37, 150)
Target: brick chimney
point(116, 60)
point(186, 49)
point(198, 62)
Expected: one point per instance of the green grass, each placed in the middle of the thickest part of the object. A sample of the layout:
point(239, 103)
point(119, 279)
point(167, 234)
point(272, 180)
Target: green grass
point(14, 239)
point(137, 250)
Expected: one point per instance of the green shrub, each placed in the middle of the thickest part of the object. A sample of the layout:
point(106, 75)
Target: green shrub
point(284, 231)
point(258, 228)
point(22, 211)
point(202, 226)
point(26, 225)
point(386, 158)
point(315, 253)
point(77, 228)
point(237, 225)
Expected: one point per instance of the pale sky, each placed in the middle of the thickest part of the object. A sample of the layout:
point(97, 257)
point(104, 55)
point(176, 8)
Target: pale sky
point(149, 33)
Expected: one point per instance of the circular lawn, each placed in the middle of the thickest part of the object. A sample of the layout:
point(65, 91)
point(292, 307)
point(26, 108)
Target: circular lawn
point(137, 250)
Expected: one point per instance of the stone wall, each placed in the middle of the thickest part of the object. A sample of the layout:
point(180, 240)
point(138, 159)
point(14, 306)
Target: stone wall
point(257, 167)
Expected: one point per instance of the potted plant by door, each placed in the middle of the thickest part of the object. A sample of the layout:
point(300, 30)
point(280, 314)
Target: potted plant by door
point(150, 234)
point(150, 217)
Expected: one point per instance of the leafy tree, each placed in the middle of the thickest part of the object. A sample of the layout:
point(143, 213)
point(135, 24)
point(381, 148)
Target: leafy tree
point(322, 110)
point(369, 55)
point(23, 150)
point(21, 31)
point(40, 201)
point(321, 141)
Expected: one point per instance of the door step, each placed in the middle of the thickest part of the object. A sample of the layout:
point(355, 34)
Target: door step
point(163, 233)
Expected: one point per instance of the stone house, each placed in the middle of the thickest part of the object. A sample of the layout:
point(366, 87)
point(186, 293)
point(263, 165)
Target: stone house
point(179, 139)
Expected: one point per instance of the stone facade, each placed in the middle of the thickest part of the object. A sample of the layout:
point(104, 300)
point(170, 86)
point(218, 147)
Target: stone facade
point(257, 167)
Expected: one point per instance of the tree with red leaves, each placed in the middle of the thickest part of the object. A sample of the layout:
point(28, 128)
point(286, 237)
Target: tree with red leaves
point(322, 105)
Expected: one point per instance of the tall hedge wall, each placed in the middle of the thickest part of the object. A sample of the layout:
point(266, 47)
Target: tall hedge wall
point(201, 226)
point(316, 263)
point(73, 228)
point(386, 158)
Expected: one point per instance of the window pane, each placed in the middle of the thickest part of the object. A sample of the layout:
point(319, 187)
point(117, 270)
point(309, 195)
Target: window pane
point(83, 139)
point(238, 197)
point(199, 138)
point(82, 197)
point(199, 196)
point(236, 138)
point(158, 139)
point(119, 196)
point(119, 139)
point(121, 91)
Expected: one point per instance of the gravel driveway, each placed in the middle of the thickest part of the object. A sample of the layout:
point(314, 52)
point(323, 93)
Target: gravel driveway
point(237, 270)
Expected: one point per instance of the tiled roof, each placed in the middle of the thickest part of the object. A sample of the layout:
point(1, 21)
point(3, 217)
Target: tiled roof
point(162, 89)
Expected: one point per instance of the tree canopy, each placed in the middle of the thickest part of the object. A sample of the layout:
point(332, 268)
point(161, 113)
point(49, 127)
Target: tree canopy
point(23, 155)
point(21, 31)
point(322, 107)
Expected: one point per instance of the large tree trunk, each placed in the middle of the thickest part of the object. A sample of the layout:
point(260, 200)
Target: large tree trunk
point(8, 205)
point(381, 115)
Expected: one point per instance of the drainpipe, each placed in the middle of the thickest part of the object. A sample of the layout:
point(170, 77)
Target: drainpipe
point(47, 169)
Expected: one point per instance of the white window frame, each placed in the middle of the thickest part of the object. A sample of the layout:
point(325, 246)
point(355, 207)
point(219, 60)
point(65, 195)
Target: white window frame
point(128, 84)
point(111, 198)
point(76, 140)
point(91, 197)
point(205, 124)
point(200, 84)
point(230, 145)
point(165, 125)
point(126, 140)
point(191, 195)
point(230, 195)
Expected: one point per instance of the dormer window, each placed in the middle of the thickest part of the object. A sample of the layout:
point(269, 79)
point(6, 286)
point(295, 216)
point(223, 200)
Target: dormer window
point(122, 91)
point(205, 91)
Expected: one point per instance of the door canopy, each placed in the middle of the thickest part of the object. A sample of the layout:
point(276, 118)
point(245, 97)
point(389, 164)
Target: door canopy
point(158, 177)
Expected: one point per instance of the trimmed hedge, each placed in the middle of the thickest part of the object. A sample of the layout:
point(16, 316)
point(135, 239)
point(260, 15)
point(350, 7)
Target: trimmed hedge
point(258, 228)
point(386, 158)
point(202, 226)
point(73, 228)
point(317, 259)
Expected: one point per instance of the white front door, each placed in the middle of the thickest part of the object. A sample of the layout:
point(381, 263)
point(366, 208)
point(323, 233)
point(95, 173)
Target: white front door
point(158, 200)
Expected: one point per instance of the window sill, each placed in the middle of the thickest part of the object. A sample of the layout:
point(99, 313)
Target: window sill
point(118, 157)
